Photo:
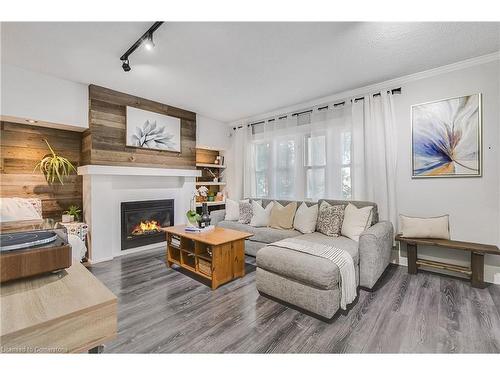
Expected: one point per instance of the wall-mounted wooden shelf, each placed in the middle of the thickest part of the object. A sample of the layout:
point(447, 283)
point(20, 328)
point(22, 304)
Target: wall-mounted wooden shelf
point(207, 165)
point(215, 203)
point(208, 183)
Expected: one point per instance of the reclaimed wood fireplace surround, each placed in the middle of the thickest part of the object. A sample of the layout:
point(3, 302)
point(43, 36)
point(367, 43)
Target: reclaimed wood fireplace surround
point(103, 143)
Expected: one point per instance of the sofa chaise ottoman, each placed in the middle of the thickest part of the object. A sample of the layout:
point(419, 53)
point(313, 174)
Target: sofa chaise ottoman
point(311, 282)
point(304, 280)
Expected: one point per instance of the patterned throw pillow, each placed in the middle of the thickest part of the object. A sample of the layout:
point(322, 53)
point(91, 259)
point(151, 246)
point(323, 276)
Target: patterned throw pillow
point(246, 212)
point(330, 219)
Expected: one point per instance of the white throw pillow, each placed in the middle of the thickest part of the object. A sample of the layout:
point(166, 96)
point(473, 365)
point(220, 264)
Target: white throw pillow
point(431, 227)
point(232, 210)
point(305, 218)
point(260, 215)
point(355, 221)
point(17, 209)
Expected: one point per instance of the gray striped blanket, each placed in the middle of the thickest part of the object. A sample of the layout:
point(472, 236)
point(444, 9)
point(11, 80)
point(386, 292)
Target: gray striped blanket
point(341, 258)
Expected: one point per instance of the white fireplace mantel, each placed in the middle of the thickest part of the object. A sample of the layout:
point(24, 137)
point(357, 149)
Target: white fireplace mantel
point(109, 170)
point(105, 187)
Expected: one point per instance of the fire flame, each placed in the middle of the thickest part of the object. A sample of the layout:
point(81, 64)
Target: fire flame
point(146, 227)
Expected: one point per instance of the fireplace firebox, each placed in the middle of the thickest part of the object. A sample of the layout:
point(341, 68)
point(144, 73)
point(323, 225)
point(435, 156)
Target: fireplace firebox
point(142, 222)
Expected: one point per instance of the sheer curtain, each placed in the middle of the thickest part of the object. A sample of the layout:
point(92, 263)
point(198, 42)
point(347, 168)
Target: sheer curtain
point(304, 156)
point(346, 151)
point(374, 153)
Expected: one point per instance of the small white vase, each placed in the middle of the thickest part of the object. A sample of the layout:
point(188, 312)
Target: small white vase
point(67, 218)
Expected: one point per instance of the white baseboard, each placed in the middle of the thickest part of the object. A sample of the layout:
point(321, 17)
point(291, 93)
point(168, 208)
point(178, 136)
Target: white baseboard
point(491, 273)
point(95, 261)
point(153, 246)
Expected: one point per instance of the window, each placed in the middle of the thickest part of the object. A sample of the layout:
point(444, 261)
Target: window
point(345, 171)
point(285, 171)
point(306, 156)
point(261, 169)
point(315, 165)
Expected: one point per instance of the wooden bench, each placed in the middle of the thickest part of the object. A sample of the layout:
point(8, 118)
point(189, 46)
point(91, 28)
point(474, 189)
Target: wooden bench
point(477, 251)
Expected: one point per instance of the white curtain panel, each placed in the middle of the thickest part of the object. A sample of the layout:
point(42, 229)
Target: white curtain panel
point(374, 153)
point(306, 156)
point(343, 152)
point(236, 164)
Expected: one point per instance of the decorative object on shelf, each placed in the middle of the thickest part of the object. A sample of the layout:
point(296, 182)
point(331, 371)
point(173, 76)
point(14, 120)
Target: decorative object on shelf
point(211, 196)
point(205, 217)
point(54, 166)
point(201, 194)
point(74, 213)
point(446, 138)
point(219, 197)
point(214, 176)
point(146, 129)
point(218, 160)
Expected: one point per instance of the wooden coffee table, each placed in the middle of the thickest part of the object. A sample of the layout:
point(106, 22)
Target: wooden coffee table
point(218, 255)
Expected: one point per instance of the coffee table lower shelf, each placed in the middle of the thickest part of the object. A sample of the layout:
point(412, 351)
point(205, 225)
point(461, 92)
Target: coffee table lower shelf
point(217, 263)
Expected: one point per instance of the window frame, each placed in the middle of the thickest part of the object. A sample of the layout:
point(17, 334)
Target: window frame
point(308, 167)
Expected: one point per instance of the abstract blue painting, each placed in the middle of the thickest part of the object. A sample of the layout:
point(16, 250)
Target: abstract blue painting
point(446, 138)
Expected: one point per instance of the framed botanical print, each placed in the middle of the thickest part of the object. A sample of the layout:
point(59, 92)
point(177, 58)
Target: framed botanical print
point(446, 138)
point(153, 130)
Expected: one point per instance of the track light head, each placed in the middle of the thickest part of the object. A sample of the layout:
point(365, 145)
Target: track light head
point(146, 39)
point(148, 43)
point(126, 65)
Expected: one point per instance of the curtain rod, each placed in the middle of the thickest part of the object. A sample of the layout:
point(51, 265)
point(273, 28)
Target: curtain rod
point(354, 100)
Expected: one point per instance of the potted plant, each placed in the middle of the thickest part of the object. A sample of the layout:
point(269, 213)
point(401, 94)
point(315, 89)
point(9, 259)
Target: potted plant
point(72, 213)
point(193, 218)
point(54, 166)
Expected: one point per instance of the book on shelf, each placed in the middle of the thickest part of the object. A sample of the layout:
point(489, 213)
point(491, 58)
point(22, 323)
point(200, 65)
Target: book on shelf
point(199, 230)
point(175, 242)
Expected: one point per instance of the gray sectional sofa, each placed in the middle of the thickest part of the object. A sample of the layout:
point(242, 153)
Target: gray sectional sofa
point(310, 282)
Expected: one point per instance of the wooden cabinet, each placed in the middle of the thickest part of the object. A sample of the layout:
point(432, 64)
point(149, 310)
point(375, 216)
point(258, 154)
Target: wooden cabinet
point(218, 256)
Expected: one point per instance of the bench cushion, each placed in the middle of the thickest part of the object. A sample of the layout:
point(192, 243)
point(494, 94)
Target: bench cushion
point(309, 269)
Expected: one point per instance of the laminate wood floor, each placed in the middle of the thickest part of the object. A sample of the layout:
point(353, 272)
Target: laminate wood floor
point(163, 310)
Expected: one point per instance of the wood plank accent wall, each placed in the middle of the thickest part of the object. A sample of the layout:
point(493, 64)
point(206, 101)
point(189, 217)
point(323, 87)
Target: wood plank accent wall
point(104, 142)
point(21, 147)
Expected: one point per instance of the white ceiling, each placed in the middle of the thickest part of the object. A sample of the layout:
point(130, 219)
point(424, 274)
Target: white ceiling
point(229, 71)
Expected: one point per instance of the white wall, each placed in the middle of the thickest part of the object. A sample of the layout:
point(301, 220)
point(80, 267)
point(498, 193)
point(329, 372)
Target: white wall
point(212, 133)
point(473, 203)
point(30, 95)
point(103, 194)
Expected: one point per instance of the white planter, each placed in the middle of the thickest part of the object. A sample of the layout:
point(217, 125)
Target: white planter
point(67, 218)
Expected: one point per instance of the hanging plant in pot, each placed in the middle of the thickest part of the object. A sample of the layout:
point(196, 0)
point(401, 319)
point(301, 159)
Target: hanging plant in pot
point(55, 167)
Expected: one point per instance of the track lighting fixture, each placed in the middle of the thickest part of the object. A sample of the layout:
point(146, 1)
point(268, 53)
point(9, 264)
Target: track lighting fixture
point(146, 39)
point(148, 43)
point(126, 65)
